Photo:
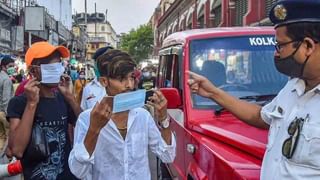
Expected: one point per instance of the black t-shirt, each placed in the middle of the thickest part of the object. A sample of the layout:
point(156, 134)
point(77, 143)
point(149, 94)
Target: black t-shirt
point(53, 115)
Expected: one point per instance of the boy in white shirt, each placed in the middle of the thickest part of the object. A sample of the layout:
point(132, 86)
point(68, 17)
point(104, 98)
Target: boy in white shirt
point(115, 145)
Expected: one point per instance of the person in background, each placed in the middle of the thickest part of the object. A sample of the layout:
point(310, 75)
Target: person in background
point(94, 91)
point(137, 74)
point(90, 73)
point(147, 81)
point(79, 85)
point(115, 145)
point(20, 88)
point(7, 66)
point(68, 69)
point(20, 76)
point(292, 117)
point(73, 74)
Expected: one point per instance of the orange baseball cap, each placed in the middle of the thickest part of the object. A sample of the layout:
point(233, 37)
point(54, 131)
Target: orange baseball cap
point(44, 49)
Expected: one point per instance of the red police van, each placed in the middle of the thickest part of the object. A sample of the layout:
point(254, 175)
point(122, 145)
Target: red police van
point(211, 142)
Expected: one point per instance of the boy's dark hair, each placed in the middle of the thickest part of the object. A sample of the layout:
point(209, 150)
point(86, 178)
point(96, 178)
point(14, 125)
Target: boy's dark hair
point(115, 64)
point(298, 31)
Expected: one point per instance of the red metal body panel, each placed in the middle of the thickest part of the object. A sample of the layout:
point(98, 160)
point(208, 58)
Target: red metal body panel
point(226, 148)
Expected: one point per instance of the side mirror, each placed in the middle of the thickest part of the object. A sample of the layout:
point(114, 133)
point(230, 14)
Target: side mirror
point(173, 97)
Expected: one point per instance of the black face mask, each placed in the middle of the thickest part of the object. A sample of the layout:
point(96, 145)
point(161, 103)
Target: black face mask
point(289, 66)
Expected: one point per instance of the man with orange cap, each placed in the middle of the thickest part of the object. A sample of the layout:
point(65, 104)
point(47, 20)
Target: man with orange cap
point(39, 118)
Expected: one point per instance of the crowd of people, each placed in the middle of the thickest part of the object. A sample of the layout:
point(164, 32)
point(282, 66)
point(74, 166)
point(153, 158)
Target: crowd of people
point(45, 124)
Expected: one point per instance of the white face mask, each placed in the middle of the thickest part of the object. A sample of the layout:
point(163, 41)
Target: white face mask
point(51, 73)
point(129, 100)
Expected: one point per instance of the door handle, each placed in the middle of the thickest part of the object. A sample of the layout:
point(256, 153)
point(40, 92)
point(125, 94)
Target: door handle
point(191, 148)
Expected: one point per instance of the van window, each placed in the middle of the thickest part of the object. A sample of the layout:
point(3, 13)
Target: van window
point(168, 71)
point(242, 66)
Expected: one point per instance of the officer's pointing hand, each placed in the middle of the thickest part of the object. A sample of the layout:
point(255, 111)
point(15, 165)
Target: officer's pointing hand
point(200, 84)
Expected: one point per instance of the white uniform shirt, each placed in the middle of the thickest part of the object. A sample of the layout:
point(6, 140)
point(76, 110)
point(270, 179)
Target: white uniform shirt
point(90, 73)
point(115, 158)
point(92, 93)
point(292, 102)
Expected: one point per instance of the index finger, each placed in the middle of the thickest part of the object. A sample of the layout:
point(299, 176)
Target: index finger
point(100, 106)
point(158, 93)
point(109, 100)
point(105, 103)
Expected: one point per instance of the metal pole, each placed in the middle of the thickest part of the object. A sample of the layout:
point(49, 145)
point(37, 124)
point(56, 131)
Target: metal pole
point(85, 23)
point(85, 13)
point(30, 39)
point(95, 19)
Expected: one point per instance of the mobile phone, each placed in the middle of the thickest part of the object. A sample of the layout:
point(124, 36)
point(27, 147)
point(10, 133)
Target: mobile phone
point(149, 93)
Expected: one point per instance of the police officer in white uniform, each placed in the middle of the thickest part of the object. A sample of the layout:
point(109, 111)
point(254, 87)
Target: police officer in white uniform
point(94, 91)
point(293, 117)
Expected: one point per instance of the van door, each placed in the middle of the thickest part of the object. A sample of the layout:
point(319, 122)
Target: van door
point(168, 77)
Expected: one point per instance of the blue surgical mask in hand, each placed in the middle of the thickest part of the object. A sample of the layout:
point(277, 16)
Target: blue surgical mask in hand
point(51, 73)
point(129, 100)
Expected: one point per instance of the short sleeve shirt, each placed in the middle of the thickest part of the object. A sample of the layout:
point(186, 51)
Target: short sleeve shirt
point(53, 116)
point(92, 93)
point(293, 102)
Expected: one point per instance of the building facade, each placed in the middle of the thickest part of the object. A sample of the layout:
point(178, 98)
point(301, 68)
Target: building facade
point(8, 21)
point(79, 42)
point(61, 10)
point(23, 22)
point(100, 31)
point(177, 15)
point(54, 21)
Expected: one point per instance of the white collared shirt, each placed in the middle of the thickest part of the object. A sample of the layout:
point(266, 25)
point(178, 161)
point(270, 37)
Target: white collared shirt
point(292, 102)
point(115, 158)
point(92, 93)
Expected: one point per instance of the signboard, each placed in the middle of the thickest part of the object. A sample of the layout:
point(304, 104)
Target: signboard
point(34, 18)
point(18, 38)
point(5, 34)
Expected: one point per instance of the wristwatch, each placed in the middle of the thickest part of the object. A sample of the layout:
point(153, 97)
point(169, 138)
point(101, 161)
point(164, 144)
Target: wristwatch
point(165, 123)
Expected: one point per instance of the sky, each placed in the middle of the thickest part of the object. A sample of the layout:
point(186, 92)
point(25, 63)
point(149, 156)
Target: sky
point(122, 14)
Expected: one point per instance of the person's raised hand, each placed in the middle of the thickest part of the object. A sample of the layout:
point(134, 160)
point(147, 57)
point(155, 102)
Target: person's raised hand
point(66, 86)
point(100, 114)
point(31, 90)
point(159, 102)
point(200, 84)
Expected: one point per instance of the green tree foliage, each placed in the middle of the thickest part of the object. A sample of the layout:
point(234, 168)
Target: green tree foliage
point(138, 43)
